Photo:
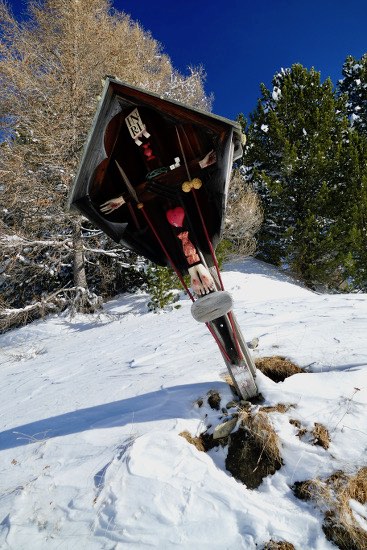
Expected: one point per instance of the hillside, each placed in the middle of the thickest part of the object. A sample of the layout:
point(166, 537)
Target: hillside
point(92, 408)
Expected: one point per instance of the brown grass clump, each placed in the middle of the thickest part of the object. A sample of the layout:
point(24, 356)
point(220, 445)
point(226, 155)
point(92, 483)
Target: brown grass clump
point(307, 490)
point(333, 496)
point(321, 436)
point(280, 408)
point(205, 441)
point(278, 545)
point(345, 532)
point(261, 428)
point(196, 441)
point(277, 368)
point(358, 486)
point(253, 451)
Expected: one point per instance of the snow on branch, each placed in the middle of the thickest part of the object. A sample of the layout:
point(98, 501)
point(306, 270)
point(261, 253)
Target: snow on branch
point(14, 241)
point(111, 253)
point(14, 317)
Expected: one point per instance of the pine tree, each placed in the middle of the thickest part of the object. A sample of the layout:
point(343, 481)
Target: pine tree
point(295, 141)
point(354, 88)
point(354, 85)
point(161, 284)
point(353, 217)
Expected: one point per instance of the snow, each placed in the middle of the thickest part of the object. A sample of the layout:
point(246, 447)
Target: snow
point(276, 93)
point(92, 407)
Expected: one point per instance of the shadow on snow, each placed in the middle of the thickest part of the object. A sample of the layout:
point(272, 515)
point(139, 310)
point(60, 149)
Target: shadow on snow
point(163, 404)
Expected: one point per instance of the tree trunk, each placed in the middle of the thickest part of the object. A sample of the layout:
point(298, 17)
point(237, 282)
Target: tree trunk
point(84, 301)
point(80, 278)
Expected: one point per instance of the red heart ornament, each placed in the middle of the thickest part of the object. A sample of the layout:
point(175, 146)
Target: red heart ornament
point(176, 216)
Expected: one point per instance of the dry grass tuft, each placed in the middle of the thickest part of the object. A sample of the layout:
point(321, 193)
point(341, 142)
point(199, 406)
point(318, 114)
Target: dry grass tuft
point(196, 441)
point(253, 451)
point(321, 436)
point(358, 486)
point(205, 441)
point(333, 496)
point(280, 408)
point(344, 531)
point(302, 432)
point(278, 545)
point(277, 368)
point(311, 489)
point(264, 433)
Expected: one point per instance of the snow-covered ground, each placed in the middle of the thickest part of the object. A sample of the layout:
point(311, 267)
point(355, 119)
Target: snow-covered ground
point(91, 409)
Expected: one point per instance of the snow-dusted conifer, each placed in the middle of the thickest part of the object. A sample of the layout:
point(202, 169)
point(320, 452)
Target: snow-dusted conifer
point(354, 85)
point(294, 145)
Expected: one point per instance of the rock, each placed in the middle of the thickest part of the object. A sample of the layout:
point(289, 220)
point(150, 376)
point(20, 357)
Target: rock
point(223, 430)
point(231, 404)
point(254, 343)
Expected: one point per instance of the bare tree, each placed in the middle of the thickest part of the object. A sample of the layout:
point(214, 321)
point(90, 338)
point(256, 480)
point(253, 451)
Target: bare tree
point(51, 68)
point(244, 216)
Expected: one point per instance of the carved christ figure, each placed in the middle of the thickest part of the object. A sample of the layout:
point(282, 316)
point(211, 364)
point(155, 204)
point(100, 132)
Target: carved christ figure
point(201, 280)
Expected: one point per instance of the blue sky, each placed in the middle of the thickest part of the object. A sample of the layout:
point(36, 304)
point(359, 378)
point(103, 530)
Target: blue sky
point(242, 43)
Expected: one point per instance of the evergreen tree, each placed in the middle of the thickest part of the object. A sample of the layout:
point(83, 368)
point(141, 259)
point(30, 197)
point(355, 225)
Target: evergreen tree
point(354, 85)
point(352, 218)
point(295, 140)
point(161, 284)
